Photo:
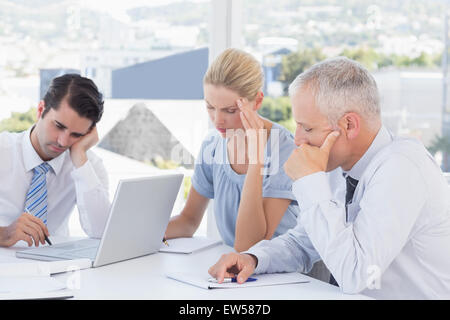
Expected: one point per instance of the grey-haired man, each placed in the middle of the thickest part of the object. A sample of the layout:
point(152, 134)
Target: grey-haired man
point(374, 207)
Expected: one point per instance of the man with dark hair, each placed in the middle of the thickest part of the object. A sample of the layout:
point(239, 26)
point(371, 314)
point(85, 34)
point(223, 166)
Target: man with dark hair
point(82, 93)
point(49, 168)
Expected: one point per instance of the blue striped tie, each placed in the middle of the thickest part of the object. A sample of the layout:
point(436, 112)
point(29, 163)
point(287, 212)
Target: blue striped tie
point(36, 201)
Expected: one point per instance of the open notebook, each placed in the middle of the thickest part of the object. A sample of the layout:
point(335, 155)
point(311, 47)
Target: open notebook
point(202, 281)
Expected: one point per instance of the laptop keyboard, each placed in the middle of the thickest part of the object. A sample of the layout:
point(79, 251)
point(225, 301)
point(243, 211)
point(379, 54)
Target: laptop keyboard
point(86, 248)
point(83, 253)
point(78, 244)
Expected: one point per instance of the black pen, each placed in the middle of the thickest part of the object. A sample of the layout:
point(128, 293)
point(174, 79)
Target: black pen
point(45, 236)
point(48, 240)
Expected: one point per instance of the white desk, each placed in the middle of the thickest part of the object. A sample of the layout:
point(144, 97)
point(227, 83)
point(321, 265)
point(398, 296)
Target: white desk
point(144, 278)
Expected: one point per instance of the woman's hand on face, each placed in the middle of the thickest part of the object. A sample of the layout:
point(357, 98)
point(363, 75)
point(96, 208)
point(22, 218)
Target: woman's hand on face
point(255, 132)
point(249, 117)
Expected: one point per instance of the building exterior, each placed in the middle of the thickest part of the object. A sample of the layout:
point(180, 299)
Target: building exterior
point(272, 67)
point(99, 64)
point(179, 76)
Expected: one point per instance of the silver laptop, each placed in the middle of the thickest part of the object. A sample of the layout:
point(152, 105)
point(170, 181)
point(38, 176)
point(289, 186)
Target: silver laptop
point(136, 225)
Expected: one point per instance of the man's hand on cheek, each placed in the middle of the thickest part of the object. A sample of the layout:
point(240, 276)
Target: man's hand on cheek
point(79, 149)
point(307, 159)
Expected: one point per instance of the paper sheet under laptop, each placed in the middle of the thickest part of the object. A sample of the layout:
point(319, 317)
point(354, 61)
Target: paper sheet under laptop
point(273, 279)
point(188, 245)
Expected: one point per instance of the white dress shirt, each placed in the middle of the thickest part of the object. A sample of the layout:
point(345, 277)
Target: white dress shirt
point(396, 242)
point(86, 186)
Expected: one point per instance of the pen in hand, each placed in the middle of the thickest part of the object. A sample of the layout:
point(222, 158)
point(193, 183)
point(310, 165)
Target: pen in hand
point(47, 240)
point(228, 280)
point(165, 241)
point(45, 236)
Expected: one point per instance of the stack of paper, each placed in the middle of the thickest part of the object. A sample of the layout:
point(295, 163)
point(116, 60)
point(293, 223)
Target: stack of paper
point(26, 267)
point(27, 279)
point(32, 287)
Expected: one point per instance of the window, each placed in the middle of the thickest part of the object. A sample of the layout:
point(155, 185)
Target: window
point(135, 52)
point(400, 42)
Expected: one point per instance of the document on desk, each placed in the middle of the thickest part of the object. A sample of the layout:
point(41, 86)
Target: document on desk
point(261, 280)
point(188, 245)
point(15, 267)
point(32, 287)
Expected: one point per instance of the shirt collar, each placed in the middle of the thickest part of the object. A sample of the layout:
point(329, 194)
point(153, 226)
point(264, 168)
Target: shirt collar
point(31, 159)
point(382, 138)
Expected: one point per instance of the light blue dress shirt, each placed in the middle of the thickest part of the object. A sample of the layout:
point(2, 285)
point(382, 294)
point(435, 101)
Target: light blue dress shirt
point(396, 244)
point(215, 179)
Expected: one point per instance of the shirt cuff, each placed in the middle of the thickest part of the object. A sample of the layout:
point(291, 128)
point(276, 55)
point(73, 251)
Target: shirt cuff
point(85, 176)
point(263, 258)
point(4, 222)
point(311, 190)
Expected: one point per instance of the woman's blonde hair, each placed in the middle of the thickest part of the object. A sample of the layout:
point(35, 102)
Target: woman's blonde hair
point(238, 71)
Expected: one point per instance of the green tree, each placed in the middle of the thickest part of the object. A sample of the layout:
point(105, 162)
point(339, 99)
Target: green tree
point(289, 124)
point(160, 163)
point(18, 121)
point(278, 110)
point(187, 183)
point(296, 62)
point(368, 57)
point(423, 60)
point(373, 60)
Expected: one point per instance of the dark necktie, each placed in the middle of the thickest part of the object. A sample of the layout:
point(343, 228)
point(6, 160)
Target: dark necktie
point(350, 190)
point(351, 186)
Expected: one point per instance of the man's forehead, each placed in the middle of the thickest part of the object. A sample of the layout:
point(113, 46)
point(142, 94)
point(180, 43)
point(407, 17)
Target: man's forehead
point(70, 119)
point(304, 105)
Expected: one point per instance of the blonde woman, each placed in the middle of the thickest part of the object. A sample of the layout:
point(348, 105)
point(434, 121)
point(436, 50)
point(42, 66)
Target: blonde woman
point(240, 165)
